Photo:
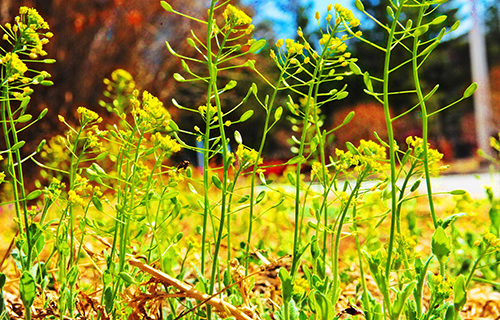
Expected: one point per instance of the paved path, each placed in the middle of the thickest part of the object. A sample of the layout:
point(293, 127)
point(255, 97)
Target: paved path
point(473, 183)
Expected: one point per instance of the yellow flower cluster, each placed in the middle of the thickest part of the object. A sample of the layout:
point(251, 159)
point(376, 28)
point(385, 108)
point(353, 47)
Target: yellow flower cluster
point(212, 111)
point(82, 190)
point(93, 140)
point(54, 190)
point(292, 47)
point(166, 143)
point(441, 288)
point(152, 114)
point(433, 155)
point(332, 43)
point(236, 17)
point(87, 116)
point(29, 23)
point(369, 157)
point(34, 19)
point(489, 240)
point(15, 66)
point(247, 156)
point(2, 177)
point(346, 15)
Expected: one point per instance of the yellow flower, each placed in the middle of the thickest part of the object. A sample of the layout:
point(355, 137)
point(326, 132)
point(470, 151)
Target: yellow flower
point(317, 16)
point(346, 15)
point(12, 61)
point(166, 143)
point(88, 116)
point(247, 156)
point(235, 16)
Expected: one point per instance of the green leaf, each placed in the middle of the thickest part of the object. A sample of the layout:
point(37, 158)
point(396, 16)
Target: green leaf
point(170, 194)
point(173, 125)
point(216, 181)
point(72, 275)
point(237, 137)
point(43, 113)
point(18, 145)
point(185, 67)
point(255, 89)
point(348, 118)
point(401, 299)
point(127, 278)
point(455, 26)
point(247, 115)
point(439, 20)
point(98, 169)
point(286, 285)
point(352, 149)
point(342, 95)
point(244, 198)
point(295, 160)
point(359, 5)
point(3, 280)
point(421, 30)
point(390, 12)
point(34, 194)
point(166, 6)
point(355, 68)
point(459, 293)
point(230, 85)
point(448, 221)
point(441, 245)
point(278, 113)
point(24, 118)
point(191, 42)
point(41, 145)
point(27, 287)
point(430, 48)
point(415, 185)
point(260, 196)
point(108, 299)
point(178, 237)
point(257, 45)
point(470, 90)
point(291, 178)
point(97, 203)
point(409, 23)
point(178, 77)
point(102, 155)
point(322, 305)
point(368, 81)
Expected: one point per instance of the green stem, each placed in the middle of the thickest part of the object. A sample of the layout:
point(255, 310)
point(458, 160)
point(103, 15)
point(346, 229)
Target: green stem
point(392, 146)
point(269, 108)
point(425, 119)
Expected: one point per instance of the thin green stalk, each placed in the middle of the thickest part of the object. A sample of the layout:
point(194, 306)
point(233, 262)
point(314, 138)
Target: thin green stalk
point(17, 179)
point(392, 146)
point(425, 119)
point(341, 220)
point(269, 108)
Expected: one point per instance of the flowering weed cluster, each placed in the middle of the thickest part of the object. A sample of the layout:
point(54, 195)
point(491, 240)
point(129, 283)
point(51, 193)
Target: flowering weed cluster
point(115, 182)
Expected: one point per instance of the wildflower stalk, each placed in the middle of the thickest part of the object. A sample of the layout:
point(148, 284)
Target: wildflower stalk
point(392, 146)
point(265, 131)
point(425, 117)
point(9, 124)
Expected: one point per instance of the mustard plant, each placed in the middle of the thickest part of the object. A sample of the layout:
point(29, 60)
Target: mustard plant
point(22, 43)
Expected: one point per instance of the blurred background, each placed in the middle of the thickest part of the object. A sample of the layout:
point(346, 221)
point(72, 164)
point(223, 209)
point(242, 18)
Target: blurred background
point(94, 37)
